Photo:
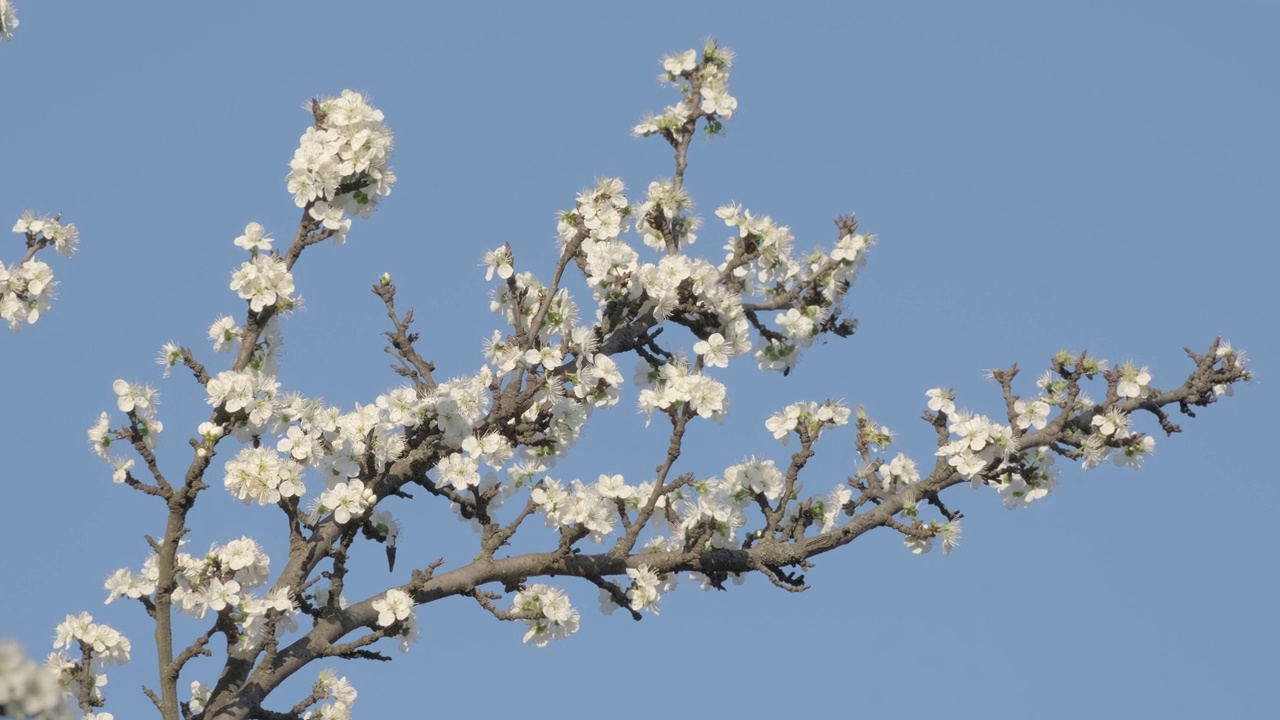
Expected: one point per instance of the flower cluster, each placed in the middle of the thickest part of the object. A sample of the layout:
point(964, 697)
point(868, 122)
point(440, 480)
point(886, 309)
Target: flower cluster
point(139, 402)
point(126, 583)
point(77, 636)
point(340, 446)
point(987, 452)
point(199, 696)
point(27, 288)
point(45, 230)
point(1031, 414)
point(761, 258)
point(8, 20)
point(27, 689)
point(828, 507)
point(807, 419)
point(553, 617)
point(254, 239)
point(673, 384)
point(922, 543)
point(767, 244)
point(709, 517)
point(250, 395)
point(1025, 478)
point(265, 282)
point(260, 475)
point(664, 216)
point(601, 215)
point(340, 166)
point(216, 581)
point(716, 99)
point(1108, 432)
point(220, 581)
point(980, 443)
point(716, 103)
point(108, 645)
point(578, 504)
point(647, 588)
point(25, 292)
point(397, 607)
point(225, 335)
point(597, 378)
point(1231, 356)
point(346, 500)
point(1133, 381)
point(455, 406)
point(339, 690)
point(898, 473)
point(712, 515)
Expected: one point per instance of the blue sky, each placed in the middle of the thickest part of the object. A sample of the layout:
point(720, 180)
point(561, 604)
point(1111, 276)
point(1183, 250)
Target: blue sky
point(1086, 176)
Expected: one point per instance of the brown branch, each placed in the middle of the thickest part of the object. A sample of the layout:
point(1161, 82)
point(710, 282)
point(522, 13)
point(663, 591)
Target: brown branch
point(413, 365)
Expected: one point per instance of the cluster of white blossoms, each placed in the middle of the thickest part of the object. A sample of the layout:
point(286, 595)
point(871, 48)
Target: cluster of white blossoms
point(199, 696)
point(105, 646)
point(555, 617)
point(335, 688)
point(328, 687)
point(711, 513)
point(1133, 381)
point(27, 288)
point(666, 211)
point(980, 442)
point(265, 282)
point(226, 337)
point(397, 607)
point(674, 384)
point(139, 402)
point(919, 544)
point(711, 516)
point(647, 588)
point(830, 506)
point(987, 452)
point(807, 419)
point(8, 20)
point(63, 238)
point(614, 272)
point(761, 254)
point(338, 445)
point(262, 476)
point(340, 166)
point(1225, 350)
point(248, 391)
point(593, 506)
point(716, 103)
point(28, 689)
point(219, 581)
point(775, 262)
point(25, 292)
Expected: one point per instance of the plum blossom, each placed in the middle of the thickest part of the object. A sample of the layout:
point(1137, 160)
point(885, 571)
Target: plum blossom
point(340, 166)
point(8, 21)
point(254, 239)
point(346, 500)
point(942, 400)
point(1034, 414)
point(393, 607)
point(553, 617)
point(265, 282)
point(1133, 381)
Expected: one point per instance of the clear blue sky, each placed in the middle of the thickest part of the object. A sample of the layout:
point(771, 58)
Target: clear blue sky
point(1094, 175)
